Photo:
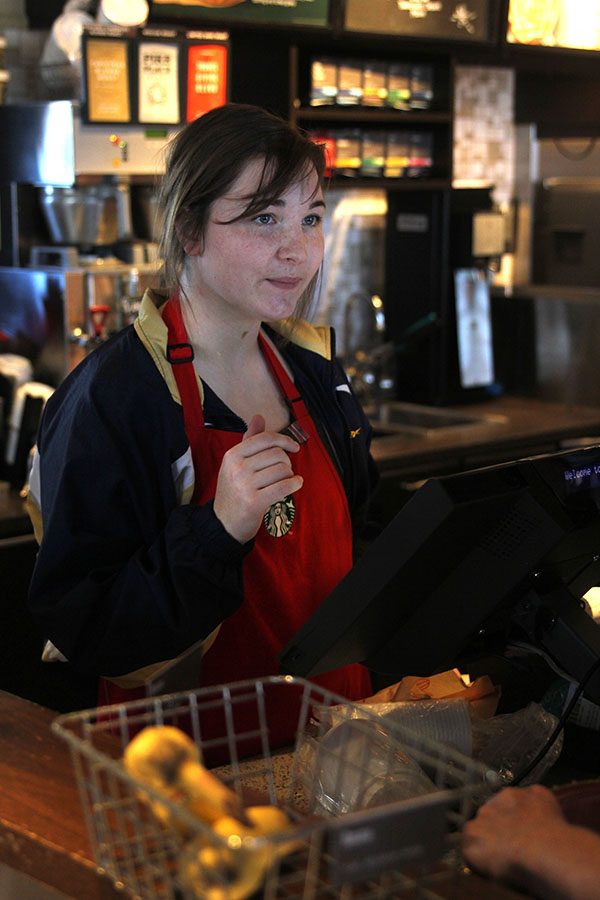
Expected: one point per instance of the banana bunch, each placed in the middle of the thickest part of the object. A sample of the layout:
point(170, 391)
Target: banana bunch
point(236, 864)
point(168, 761)
point(235, 870)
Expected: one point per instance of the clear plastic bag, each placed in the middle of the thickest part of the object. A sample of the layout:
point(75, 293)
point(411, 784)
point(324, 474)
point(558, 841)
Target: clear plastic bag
point(358, 765)
point(509, 742)
point(446, 721)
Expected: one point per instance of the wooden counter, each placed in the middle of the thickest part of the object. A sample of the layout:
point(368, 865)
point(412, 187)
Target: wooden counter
point(42, 830)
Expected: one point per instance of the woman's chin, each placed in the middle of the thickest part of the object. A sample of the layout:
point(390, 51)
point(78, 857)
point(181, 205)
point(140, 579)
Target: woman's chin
point(280, 308)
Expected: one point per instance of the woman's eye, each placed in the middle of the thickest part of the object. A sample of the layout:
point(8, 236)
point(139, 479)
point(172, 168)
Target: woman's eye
point(264, 218)
point(313, 219)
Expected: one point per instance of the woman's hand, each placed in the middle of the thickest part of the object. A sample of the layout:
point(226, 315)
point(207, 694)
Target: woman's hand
point(254, 474)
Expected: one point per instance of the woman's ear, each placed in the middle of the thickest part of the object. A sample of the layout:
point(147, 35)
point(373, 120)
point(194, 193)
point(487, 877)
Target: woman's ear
point(192, 246)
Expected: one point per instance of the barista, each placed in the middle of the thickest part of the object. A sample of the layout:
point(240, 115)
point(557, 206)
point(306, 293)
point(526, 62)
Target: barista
point(204, 473)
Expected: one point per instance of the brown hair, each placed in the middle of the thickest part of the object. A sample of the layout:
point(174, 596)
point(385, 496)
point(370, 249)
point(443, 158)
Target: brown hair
point(206, 157)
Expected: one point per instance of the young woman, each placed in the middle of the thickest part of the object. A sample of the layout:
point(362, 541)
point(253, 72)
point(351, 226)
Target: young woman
point(203, 473)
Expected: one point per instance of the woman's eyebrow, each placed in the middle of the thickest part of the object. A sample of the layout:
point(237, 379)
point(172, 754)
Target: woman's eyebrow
point(313, 205)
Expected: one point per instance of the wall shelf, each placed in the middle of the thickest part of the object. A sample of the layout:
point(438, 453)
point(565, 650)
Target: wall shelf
point(361, 115)
point(391, 184)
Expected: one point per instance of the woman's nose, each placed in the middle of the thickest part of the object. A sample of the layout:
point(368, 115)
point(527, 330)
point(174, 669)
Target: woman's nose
point(292, 244)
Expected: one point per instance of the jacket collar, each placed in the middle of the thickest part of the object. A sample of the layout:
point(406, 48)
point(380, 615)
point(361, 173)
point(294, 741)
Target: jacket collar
point(153, 334)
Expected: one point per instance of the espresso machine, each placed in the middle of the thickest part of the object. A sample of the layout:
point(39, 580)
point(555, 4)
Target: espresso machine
point(78, 229)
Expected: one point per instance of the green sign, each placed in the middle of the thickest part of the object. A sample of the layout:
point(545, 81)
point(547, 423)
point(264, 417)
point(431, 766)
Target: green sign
point(274, 12)
point(463, 20)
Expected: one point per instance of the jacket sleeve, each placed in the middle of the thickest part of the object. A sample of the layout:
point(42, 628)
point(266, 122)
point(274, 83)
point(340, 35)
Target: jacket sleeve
point(124, 577)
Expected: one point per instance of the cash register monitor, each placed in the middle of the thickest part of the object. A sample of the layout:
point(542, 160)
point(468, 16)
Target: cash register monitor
point(471, 562)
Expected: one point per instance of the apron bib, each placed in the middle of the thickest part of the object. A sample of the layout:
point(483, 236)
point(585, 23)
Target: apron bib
point(302, 550)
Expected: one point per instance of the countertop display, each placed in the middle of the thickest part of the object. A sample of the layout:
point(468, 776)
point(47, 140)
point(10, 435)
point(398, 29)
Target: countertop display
point(43, 838)
point(507, 427)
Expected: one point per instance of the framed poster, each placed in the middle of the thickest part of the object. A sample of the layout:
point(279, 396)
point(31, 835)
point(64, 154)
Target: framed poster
point(158, 79)
point(107, 74)
point(207, 77)
point(569, 24)
point(273, 12)
point(429, 19)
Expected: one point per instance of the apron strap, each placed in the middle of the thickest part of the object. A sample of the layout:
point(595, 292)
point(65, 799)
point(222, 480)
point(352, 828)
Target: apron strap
point(180, 354)
point(287, 386)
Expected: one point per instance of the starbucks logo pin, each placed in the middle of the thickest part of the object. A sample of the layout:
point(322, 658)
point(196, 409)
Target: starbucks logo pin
point(279, 517)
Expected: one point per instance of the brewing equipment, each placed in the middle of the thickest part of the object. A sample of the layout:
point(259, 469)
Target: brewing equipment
point(77, 229)
point(67, 183)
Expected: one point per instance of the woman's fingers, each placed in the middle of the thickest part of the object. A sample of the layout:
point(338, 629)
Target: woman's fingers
point(264, 440)
point(254, 474)
point(255, 426)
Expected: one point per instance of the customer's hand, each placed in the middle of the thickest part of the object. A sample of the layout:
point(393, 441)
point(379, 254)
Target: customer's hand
point(521, 837)
point(254, 474)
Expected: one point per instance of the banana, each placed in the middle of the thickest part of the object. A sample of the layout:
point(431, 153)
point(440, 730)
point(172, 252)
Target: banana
point(168, 761)
point(237, 870)
point(264, 821)
point(221, 873)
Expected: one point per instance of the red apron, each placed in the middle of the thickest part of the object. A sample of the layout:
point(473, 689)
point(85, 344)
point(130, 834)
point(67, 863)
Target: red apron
point(301, 551)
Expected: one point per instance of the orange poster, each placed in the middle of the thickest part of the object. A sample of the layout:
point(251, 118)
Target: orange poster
point(206, 78)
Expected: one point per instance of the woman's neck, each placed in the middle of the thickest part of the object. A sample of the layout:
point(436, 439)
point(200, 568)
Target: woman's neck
point(219, 341)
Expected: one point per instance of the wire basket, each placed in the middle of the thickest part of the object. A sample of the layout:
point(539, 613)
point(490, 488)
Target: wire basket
point(394, 847)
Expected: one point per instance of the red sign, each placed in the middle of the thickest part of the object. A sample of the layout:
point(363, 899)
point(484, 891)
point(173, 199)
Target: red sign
point(206, 78)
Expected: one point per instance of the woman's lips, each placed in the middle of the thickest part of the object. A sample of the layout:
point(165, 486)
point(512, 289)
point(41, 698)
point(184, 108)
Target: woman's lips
point(285, 283)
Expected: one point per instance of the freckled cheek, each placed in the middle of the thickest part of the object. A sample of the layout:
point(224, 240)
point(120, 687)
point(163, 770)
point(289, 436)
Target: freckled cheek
point(251, 250)
point(317, 250)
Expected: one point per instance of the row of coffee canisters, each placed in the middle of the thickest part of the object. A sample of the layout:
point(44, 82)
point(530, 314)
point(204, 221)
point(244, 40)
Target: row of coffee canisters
point(355, 152)
point(393, 85)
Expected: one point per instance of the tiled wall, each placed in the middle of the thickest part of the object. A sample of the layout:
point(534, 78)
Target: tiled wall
point(484, 139)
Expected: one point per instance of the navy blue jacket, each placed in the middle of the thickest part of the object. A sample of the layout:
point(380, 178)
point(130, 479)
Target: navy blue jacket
point(128, 572)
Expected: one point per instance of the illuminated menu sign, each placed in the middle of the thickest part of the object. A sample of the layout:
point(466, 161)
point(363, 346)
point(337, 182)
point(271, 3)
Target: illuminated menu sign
point(158, 82)
point(571, 24)
point(276, 12)
point(107, 77)
point(153, 76)
point(444, 19)
point(206, 78)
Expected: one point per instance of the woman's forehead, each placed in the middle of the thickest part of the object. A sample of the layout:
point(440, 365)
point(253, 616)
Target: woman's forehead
point(253, 179)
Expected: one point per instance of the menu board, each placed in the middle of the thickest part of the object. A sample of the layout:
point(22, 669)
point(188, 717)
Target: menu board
point(153, 76)
point(276, 12)
point(571, 24)
point(443, 19)
point(206, 78)
point(108, 80)
point(158, 83)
